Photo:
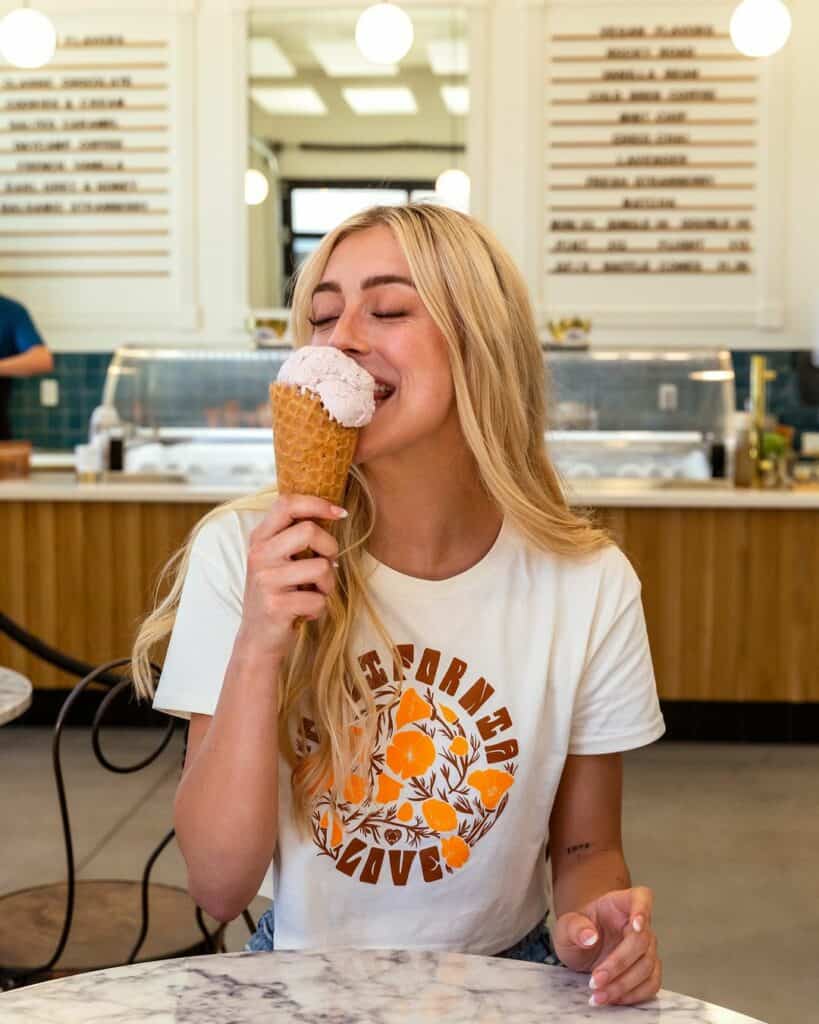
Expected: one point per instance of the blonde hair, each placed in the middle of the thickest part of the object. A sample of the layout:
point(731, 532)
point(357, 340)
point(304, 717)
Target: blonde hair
point(478, 300)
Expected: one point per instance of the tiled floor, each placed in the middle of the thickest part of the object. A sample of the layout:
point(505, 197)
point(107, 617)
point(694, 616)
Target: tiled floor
point(728, 837)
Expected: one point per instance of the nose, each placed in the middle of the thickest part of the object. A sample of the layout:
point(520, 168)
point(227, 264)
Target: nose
point(347, 335)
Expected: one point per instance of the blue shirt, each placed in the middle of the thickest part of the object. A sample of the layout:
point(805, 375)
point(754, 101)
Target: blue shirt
point(17, 331)
point(17, 334)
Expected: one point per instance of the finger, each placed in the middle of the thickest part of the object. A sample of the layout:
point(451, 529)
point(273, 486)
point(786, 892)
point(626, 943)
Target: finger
point(642, 906)
point(634, 946)
point(629, 981)
point(291, 575)
point(306, 604)
point(578, 930)
point(289, 508)
point(297, 538)
point(645, 991)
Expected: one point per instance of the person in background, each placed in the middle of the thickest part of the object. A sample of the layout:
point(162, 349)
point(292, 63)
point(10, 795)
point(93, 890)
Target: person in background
point(23, 353)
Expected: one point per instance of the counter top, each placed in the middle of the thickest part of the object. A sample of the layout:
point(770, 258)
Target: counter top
point(626, 494)
point(356, 986)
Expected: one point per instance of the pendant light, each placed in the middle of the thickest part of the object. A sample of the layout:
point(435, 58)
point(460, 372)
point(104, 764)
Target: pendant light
point(256, 187)
point(760, 27)
point(452, 188)
point(384, 33)
point(27, 38)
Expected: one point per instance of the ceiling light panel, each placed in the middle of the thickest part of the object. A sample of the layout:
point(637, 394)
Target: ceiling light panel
point(391, 100)
point(267, 60)
point(286, 100)
point(448, 56)
point(343, 59)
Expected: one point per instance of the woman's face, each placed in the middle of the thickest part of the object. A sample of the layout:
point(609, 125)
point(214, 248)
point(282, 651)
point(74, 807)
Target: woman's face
point(367, 306)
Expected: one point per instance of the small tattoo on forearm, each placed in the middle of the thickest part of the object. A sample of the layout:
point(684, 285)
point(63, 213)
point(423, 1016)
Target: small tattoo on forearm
point(579, 846)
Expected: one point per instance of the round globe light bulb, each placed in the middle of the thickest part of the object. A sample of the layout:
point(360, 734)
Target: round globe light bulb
point(760, 27)
point(452, 188)
point(256, 187)
point(384, 33)
point(28, 38)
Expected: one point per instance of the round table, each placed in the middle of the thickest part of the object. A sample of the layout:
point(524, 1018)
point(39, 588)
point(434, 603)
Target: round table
point(15, 695)
point(343, 986)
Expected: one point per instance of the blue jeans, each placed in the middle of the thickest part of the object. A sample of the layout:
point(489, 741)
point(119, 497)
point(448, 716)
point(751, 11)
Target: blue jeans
point(536, 947)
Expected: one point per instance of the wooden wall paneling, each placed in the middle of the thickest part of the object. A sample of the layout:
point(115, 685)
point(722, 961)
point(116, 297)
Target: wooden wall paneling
point(798, 618)
point(759, 626)
point(728, 572)
point(41, 559)
point(73, 564)
point(13, 579)
point(99, 582)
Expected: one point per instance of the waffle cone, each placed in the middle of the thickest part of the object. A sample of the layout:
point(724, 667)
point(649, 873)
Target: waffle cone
point(313, 452)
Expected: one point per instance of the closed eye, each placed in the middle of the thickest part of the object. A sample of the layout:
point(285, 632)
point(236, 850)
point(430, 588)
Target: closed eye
point(322, 322)
point(389, 316)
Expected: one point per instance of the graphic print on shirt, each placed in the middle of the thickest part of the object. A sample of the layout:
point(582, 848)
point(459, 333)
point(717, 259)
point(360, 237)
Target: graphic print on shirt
point(438, 779)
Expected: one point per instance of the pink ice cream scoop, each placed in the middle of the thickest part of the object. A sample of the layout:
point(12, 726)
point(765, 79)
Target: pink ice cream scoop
point(346, 390)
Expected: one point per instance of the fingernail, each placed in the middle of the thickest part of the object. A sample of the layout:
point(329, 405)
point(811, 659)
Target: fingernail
point(637, 924)
point(588, 938)
point(599, 981)
point(340, 512)
point(597, 1000)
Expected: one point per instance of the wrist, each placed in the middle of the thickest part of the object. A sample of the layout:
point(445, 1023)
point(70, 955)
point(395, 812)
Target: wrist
point(251, 655)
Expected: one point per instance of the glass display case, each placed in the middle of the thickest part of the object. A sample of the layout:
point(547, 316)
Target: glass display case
point(204, 413)
point(200, 413)
point(642, 414)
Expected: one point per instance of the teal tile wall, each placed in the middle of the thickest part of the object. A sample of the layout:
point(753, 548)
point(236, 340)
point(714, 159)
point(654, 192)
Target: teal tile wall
point(81, 377)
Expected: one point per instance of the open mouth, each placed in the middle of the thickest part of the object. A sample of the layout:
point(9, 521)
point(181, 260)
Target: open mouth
point(383, 393)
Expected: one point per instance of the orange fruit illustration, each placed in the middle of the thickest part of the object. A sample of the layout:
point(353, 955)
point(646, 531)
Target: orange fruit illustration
point(455, 851)
point(411, 708)
point(404, 812)
point(354, 789)
point(491, 784)
point(388, 789)
point(459, 747)
point(448, 713)
point(337, 833)
point(439, 815)
point(410, 754)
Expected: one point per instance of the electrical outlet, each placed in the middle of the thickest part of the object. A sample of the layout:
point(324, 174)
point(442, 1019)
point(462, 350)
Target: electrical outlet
point(49, 392)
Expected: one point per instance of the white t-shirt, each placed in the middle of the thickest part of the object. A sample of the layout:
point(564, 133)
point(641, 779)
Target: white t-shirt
point(508, 667)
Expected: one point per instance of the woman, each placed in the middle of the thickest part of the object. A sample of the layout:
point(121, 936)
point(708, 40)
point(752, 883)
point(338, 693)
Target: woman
point(474, 662)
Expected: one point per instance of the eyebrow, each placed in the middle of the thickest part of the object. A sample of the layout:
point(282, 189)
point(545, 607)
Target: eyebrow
point(368, 282)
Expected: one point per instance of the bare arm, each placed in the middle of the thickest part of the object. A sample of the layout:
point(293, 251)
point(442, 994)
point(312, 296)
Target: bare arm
point(585, 836)
point(226, 805)
point(35, 360)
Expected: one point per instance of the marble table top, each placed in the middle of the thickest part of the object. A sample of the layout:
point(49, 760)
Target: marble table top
point(344, 986)
point(15, 695)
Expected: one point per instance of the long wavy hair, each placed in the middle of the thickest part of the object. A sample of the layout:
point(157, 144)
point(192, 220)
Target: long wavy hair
point(479, 302)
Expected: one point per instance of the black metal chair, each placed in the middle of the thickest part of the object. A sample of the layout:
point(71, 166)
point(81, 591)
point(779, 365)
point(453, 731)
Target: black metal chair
point(105, 923)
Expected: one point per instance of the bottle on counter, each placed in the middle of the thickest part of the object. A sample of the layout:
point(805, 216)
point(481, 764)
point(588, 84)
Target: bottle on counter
point(743, 455)
point(104, 423)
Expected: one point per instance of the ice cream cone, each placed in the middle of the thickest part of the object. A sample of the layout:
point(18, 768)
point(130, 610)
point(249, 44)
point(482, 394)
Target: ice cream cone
point(313, 452)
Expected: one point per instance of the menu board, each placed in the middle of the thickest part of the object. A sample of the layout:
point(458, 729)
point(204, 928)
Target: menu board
point(655, 126)
point(89, 172)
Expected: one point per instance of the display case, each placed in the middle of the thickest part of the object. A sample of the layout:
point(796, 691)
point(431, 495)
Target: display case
point(204, 413)
point(201, 413)
point(661, 415)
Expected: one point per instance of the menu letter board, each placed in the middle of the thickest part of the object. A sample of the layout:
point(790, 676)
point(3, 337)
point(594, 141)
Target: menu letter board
point(90, 168)
point(655, 196)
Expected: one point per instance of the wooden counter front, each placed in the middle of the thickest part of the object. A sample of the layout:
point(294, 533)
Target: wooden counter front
point(731, 594)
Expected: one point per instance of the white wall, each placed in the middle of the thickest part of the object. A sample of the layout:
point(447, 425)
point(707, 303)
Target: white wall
point(505, 159)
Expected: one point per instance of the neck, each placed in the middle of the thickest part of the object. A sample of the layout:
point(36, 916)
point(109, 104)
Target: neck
point(433, 518)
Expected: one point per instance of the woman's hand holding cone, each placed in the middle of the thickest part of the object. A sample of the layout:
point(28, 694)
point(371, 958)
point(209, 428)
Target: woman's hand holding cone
point(273, 601)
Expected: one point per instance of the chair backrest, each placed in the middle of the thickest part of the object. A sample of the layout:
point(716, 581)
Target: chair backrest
point(104, 677)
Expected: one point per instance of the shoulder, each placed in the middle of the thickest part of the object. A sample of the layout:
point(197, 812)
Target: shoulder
point(223, 538)
point(606, 568)
point(12, 310)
